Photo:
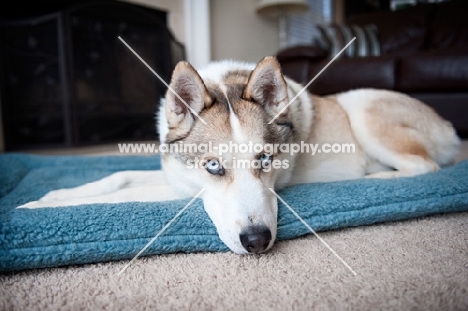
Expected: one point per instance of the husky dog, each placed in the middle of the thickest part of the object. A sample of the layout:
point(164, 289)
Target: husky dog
point(393, 135)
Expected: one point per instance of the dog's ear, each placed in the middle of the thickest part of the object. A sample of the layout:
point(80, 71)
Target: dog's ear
point(192, 96)
point(267, 86)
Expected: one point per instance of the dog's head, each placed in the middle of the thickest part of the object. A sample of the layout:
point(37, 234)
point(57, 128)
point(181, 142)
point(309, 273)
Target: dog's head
point(216, 129)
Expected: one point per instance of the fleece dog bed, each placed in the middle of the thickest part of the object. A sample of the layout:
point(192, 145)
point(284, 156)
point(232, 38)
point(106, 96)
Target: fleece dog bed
point(50, 237)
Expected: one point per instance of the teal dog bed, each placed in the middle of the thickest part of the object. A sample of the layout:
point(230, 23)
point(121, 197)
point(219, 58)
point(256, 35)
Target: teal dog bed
point(51, 237)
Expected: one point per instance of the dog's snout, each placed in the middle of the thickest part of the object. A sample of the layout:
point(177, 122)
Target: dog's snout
point(256, 239)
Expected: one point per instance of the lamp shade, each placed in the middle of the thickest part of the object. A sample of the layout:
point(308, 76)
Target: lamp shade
point(273, 7)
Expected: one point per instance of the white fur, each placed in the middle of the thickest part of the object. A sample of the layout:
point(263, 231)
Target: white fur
point(125, 186)
point(230, 209)
point(162, 126)
point(215, 71)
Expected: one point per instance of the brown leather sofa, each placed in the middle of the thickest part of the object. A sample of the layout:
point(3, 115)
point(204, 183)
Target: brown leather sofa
point(424, 53)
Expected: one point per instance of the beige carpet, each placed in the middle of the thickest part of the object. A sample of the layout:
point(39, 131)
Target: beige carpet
point(418, 264)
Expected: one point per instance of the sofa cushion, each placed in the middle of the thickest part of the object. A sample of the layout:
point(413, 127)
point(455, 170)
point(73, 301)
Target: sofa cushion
point(449, 26)
point(450, 106)
point(335, 37)
point(346, 74)
point(402, 32)
point(295, 61)
point(434, 71)
point(298, 70)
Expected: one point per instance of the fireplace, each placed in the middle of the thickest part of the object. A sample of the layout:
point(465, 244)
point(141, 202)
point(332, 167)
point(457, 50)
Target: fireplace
point(66, 79)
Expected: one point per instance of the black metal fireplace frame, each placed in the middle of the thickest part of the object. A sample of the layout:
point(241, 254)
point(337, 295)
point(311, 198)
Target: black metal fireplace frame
point(71, 132)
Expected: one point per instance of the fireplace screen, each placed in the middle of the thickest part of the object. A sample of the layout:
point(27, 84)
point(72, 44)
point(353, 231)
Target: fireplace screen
point(67, 80)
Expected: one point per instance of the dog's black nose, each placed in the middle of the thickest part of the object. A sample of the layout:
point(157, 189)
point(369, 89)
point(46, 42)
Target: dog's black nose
point(255, 239)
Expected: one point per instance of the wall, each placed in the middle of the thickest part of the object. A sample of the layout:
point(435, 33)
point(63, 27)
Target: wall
point(238, 32)
point(189, 22)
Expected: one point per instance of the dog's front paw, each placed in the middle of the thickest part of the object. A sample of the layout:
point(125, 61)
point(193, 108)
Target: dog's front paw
point(32, 204)
point(51, 199)
point(56, 195)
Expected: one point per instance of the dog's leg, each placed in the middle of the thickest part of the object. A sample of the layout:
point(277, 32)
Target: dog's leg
point(144, 193)
point(399, 132)
point(407, 166)
point(401, 149)
point(107, 185)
